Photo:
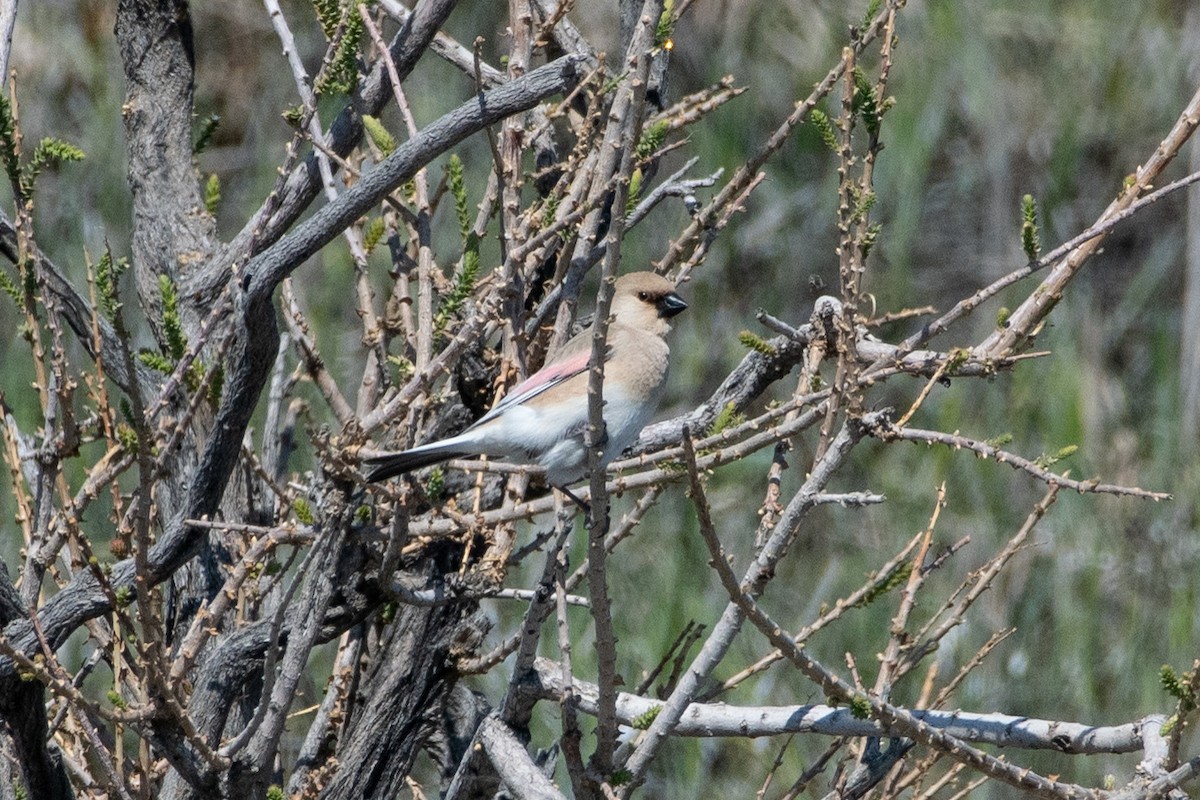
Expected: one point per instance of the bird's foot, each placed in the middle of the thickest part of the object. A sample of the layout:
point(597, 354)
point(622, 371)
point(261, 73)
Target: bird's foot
point(583, 504)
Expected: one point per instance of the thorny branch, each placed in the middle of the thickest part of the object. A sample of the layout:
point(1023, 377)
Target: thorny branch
point(233, 565)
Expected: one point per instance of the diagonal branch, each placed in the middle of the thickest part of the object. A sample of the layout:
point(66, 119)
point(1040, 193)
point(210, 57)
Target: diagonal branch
point(1042, 300)
point(303, 184)
point(265, 272)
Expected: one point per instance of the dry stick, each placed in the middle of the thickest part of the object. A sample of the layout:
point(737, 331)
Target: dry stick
point(941, 782)
point(994, 453)
point(523, 778)
point(176, 428)
point(1099, 228)
point(1161, 787)
point(514, 709)
point(424, 237)
point(331, 711)
point(874, 584)
point(709, 720)
point(748, 174)
point(927, 638)
point(1183, 709)
point(112, 770)
point(897, 720)
point(889, 668)
point(368, 387)
point(810, 774)
point(467, 335)
point(769, 510)
point(969, 789)
point(323, 153)
point(531, 626)
point(775, 765)
point(509, 156)
point(155, 690)
point(693, 107)
point(845, 384)
point(314, 364)
point(211, 614)
point(65, 520)
point(756, 577)
point(975, 660)
point(568, 704)
point(325, 156)
point(447, 47)
point(625, 528)
point(621, 135)
point(1043, 299)
point(278, 689)
point(674, 186)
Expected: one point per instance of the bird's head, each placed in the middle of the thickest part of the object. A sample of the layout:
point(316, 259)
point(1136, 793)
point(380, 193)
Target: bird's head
point(646, 301)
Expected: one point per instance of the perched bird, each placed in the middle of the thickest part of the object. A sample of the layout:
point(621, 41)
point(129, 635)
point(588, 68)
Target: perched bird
point(543, 419)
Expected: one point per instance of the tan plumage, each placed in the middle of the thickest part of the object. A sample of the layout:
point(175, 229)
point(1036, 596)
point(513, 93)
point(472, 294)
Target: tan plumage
point(543, 419)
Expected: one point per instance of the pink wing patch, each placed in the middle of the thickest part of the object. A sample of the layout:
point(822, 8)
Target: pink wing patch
point(538, 382)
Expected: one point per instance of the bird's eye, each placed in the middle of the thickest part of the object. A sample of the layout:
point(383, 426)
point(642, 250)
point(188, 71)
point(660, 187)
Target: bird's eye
point(643, 296)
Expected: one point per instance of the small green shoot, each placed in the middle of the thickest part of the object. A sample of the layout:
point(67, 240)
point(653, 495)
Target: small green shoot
point(824, 126)
point(373, 234)
point(212, 194)
point(652, 139)
point(108, 277)
point(752, 341)
point(458, 188)
point(1047, 460)
point(303, 511)
point(999, 441)
point(728, 417)
point(643, 721)
point(872, 12)
point(859, 707)
point(866, 103)
point(204, 136)
point(379, 135)
point(896, 578)
point(1031, 241)
point(666, 25)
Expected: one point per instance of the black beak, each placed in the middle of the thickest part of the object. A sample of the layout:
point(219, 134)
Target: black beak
point(670, 304)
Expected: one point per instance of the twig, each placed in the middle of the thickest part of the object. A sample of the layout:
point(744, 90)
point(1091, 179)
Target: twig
point(994, 453)
point(895, 719)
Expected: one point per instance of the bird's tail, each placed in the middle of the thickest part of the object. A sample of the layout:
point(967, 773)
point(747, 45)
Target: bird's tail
point(389, 466)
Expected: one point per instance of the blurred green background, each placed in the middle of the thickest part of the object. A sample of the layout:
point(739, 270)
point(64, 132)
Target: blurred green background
point(993, 100)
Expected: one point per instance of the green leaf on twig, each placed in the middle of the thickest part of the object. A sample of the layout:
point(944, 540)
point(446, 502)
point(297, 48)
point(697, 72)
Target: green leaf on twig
point(204, 136)
point(379, 135)
point(752, 341)
point(212, 193)
point(821, 122)
point(1031, 241)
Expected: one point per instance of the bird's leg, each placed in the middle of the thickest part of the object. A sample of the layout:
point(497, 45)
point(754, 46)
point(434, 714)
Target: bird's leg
point(583, 505)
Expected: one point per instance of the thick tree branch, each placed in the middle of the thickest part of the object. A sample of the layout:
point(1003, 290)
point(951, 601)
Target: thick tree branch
point(256, 341)
point(172, 232)
point(303, 183)
point(708, 720)
point(265, 272)
point(523, 778)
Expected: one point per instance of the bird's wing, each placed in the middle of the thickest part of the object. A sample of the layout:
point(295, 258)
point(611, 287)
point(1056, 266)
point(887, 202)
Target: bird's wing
point(572, 361)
